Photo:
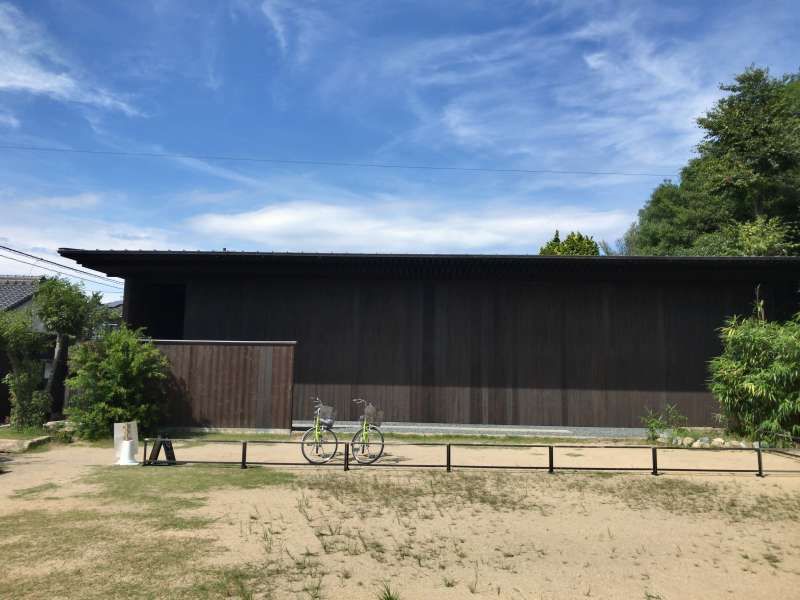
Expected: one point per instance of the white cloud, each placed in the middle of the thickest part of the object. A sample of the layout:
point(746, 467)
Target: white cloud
point(31, 62)
point(392, 227)
point(74, 202)
point(8, 120)
point(272, 11)
point(298, 27)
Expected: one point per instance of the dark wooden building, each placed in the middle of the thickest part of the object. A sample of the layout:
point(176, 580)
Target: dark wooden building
point(573, 341)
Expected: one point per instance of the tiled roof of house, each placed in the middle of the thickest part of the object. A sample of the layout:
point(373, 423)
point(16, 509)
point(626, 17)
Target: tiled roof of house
point(16, 289)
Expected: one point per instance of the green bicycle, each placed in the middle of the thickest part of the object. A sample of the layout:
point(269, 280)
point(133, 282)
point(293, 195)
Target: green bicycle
point(319, 444)
point(367, 444)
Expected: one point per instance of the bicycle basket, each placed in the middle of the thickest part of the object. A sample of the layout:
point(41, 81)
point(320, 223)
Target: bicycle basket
point(327, 415)
point(373, 415)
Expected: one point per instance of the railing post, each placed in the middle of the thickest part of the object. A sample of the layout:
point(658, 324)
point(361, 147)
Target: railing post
point(144, 453)
point(655, 460)
point(550, 465)
point(347, 456)
point(448, 459)
point(760, 461)
point(244, 454)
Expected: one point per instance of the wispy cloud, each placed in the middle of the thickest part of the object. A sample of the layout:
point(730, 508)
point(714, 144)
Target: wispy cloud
point(8, 120)
point(32, 63)
point(75, 202)
point(571, 85)
point(297, 27)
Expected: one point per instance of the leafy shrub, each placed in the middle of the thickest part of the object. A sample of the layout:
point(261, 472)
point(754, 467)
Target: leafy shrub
point(29, 407)
point(668, 419)
point(119, 377)
point(62, 436)
point(757, 377)
point(22, 344)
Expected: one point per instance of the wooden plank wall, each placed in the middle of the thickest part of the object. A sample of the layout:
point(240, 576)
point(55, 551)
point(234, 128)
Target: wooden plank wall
point(502, 352)
point(242, 384)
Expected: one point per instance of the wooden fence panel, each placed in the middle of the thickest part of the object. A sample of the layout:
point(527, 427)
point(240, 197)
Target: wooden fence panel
point(230, 384)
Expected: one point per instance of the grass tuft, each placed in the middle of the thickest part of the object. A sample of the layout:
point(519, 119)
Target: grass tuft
point(34, 491)
point(387, 593)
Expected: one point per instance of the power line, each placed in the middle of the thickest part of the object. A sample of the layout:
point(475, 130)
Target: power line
point(324, 163)
point(118, 288)
point(63, 266)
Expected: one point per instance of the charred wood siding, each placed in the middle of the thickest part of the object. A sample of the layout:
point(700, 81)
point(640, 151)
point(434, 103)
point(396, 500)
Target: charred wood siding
point(502, 352)
point(244, 384)
point(465, 338)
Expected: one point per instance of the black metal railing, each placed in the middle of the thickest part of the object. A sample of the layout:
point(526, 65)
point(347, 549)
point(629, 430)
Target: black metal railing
point(449, 465)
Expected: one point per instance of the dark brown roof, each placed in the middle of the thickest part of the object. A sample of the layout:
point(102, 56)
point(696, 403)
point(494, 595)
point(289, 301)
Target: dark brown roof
point(124, 263)
point(16, 290)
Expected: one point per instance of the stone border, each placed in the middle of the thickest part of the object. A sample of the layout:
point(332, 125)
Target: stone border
point(20, 446)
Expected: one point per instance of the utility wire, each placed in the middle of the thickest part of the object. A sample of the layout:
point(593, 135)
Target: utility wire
point(115, 287)
point(324, 163)
point(63, 266)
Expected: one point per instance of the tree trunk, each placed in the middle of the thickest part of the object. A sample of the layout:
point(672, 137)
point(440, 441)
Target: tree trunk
point(55, 384)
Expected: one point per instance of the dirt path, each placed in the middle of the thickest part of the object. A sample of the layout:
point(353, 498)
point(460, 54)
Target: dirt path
point(58, 466)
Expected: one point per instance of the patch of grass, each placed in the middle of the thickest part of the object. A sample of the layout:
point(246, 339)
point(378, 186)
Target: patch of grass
point(39, 547)
point(773, 559)
point(233, 582)
point(152, 482)
point(472, 586)
point(420, 494)
point(9, 433)
point(126, 546)
point(160, 493)
point(684, 496)
point(34, 491)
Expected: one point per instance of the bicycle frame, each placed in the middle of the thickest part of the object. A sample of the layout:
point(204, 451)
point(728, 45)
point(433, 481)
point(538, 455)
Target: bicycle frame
point(317, 427)
point(365, 431)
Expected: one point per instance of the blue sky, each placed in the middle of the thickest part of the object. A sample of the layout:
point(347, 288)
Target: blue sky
point(598, 86)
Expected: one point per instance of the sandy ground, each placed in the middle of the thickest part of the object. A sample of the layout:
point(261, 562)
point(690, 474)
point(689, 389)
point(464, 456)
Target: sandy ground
point(499, 534)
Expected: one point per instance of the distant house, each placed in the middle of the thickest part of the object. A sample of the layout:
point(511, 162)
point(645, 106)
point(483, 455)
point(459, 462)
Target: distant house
point(16, 293)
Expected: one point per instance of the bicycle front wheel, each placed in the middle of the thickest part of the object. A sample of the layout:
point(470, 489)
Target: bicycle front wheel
point(319, 450)
point(367, 446)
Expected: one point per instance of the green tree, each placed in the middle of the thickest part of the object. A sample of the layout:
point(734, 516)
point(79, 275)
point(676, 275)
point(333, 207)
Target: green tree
point(752, 145)
point(22, 344)
point(120, 376)
point(748, 166)
point(575, 244)
point(759, 237)
point(68, 313)
point(675, 216)
point(756, 378)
